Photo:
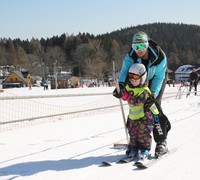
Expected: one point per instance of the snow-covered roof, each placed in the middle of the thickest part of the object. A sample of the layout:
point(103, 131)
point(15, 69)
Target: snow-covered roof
point(186, 69)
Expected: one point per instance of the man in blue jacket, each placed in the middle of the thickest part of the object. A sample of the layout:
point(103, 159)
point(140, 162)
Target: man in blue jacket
point(144, 50)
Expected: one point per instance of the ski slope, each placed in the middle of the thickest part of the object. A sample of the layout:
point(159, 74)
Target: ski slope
point(72, 149)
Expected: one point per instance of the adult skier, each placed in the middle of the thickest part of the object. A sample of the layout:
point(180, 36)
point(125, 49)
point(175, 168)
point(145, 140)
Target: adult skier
point(193, 78)
point(147, 52)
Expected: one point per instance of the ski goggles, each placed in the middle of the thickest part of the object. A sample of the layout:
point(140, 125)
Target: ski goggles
point(140, 46)
point(133, 76)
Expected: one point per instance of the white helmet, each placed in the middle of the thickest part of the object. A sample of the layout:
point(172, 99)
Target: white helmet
point(140, 70)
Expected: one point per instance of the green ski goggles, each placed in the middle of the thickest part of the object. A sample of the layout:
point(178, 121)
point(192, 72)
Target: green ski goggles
point(140, 46)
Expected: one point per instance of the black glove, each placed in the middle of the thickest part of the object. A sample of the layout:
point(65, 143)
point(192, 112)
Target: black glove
point(149, 102)
point(118, 94)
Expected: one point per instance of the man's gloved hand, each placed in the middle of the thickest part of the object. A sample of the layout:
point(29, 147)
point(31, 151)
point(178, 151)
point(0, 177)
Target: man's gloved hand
point(118, 94)
point(149, 102)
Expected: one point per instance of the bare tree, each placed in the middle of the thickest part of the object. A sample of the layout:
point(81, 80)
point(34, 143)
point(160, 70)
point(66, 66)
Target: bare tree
point(2, 55)
point(53, 54)
point(117, 54)
point(90, 59)
point(98, 60)
point(22, 58)
point(80, 55)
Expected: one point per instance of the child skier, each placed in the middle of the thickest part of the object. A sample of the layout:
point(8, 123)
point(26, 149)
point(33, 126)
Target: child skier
point(140, 120)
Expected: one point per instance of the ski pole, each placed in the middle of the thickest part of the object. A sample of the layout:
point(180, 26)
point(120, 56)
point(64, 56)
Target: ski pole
point(179, 91)
point(123, 114)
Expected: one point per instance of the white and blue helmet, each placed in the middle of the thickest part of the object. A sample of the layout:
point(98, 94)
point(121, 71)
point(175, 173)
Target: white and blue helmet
point(140, 70)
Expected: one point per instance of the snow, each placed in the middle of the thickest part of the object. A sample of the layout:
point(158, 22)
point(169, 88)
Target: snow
point(72, 149)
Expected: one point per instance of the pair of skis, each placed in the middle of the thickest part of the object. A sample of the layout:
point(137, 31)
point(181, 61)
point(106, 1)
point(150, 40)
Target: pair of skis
point(126, 160)
point(141, 164)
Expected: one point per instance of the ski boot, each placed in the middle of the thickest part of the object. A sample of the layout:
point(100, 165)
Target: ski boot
point(133, 153)
point(144, 155)
point(161, 148)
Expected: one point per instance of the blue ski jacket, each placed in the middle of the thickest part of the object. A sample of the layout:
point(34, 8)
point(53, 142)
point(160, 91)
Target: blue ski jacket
point(156, 66)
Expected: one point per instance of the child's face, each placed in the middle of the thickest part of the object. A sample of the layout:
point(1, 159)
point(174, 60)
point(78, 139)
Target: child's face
point(134, 82)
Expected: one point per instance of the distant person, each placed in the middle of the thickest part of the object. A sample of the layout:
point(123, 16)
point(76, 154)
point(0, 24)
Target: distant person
point(69, 82)
point(45, 84)
point(30, 81)
point(168, 80)
point(173, 82)
point(193, 78)
point(147, 52)
point(140, 120)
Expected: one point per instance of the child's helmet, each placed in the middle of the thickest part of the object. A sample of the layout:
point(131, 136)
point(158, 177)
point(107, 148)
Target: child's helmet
point(138, 69)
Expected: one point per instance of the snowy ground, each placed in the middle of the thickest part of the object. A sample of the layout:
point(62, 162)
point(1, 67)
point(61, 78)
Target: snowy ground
point(72, 149)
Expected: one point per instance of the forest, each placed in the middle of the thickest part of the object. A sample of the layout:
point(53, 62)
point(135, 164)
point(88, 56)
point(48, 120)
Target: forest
point(86, 55)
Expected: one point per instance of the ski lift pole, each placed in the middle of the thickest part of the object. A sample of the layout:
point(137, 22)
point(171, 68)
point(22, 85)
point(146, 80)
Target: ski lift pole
point(123, 114)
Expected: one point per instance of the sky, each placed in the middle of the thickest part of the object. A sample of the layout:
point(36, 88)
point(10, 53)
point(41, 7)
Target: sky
point(73, 148)
point(26, 19)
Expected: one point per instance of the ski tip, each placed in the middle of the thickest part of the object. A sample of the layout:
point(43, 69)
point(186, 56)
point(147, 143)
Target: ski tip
point(140, 165)
point(105, 163)
point(121, 161)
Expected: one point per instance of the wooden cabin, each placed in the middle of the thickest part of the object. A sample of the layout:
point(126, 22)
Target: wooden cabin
point(63, 83)
point(15, 79)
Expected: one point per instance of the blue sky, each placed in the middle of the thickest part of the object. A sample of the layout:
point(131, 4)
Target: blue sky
point(25, 19)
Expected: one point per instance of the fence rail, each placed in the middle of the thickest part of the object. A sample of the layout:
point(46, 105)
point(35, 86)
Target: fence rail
point(20, 111)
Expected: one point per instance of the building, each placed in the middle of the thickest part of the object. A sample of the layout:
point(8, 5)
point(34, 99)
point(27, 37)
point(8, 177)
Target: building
point(14, 79)
point(183, 72)
point(64, 80)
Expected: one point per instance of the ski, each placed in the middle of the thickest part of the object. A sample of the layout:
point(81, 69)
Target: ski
point(110, 163)
point(127, 160)
point(119, 161)
point(144, 164)
point(106, 163)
